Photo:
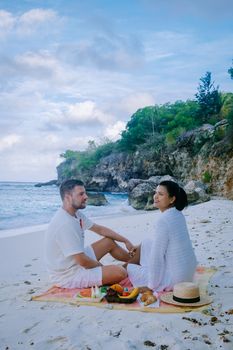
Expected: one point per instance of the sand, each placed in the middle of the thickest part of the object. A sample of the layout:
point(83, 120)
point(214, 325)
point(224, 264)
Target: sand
point(26, 324)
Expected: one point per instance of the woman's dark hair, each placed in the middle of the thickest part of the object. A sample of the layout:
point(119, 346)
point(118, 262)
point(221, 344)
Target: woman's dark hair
point(68, 185)
point(175, 190)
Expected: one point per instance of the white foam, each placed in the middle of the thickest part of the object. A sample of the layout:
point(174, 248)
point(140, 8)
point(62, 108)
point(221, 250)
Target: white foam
point(22, 230)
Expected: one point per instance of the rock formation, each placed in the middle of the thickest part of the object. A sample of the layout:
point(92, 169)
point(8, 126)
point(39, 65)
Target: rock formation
point(96, 199)
point(200, 155)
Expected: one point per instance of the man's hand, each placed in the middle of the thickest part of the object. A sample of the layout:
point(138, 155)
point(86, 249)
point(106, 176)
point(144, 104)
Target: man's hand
point(132, 252)
point(131, 248)
point(85, 261)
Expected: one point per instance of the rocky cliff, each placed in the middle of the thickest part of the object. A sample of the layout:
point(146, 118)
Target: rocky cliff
point(203, 154)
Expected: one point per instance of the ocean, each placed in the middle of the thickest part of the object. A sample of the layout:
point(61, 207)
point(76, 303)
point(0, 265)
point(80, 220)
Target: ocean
point(22, 205)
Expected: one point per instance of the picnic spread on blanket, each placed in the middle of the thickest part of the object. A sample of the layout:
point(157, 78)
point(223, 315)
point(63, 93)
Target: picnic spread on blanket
point(123, 297)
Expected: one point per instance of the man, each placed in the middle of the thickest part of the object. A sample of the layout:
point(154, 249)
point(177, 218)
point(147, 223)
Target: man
point(69, 263)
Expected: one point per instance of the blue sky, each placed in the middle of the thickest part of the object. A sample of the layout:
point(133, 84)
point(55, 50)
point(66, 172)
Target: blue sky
point(74, 71)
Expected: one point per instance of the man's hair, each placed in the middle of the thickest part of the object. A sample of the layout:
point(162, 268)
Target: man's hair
point(68, 185)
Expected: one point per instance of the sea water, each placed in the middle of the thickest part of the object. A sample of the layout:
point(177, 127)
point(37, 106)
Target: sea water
point(23, 204)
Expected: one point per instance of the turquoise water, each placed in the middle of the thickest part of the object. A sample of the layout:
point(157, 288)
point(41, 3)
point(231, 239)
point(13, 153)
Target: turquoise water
point(22, 204)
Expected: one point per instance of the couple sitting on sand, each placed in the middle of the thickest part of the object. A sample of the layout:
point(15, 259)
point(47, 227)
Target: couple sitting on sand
point(157, 263)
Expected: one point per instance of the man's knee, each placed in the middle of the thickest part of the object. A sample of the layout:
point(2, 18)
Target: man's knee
point(121, 273)
point(113, 274)
point(109, 242)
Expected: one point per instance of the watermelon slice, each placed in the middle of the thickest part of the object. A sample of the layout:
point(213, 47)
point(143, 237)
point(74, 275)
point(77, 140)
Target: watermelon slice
point(85, 293)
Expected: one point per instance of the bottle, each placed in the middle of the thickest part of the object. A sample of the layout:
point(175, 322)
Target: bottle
point(97, 292)
point(92, 292)
point(125, 292)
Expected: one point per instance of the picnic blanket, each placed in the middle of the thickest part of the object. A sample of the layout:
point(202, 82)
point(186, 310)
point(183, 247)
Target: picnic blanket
point(70, 296)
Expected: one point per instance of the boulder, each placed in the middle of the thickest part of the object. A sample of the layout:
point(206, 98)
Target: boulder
point(96, 199)
point(141, 192)
point(196, 192)
point(133, 183)
point(141, 197)
point(48, 183)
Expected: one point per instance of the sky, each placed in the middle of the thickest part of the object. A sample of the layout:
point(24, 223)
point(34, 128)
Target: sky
point(74, 71)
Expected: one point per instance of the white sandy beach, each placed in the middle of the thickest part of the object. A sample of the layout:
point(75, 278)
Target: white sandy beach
point(26, 324)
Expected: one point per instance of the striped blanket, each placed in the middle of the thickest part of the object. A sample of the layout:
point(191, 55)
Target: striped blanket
point(72, 297)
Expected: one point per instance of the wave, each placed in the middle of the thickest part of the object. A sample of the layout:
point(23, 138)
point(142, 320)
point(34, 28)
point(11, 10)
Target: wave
point(23, 204)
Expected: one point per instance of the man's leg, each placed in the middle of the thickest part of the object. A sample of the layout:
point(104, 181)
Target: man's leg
point(113, 274)
point(107, 245)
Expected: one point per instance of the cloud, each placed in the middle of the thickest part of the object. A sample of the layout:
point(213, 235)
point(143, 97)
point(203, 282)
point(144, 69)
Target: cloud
point(36, 72)
point(113, 131)
point(9, 141)
point(82, 114)
point(35, 156)
point(41, 65)
point(36, 60)
point(133, 102)
point(37, 16)
point(27, 166)
point(105, 51)
point(23, 109)
point(60, 91)
point(34, 20)
point(30, 108)
point(6, 22)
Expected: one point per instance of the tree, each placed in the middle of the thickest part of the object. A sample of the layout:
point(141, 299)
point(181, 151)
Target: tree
point(227, 113)
point(230, 71)
point(208, 99)
point(69, 154)
point(144, 125)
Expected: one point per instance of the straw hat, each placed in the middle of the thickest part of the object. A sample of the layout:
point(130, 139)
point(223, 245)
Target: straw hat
point(186, 294)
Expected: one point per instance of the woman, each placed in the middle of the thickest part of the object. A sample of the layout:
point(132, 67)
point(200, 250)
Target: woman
point(168, 258)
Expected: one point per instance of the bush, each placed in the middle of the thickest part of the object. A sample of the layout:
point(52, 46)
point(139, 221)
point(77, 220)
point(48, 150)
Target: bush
point(206, 177)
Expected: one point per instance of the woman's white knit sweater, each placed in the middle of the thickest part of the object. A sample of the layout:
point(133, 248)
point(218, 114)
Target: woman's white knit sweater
point(169, 257)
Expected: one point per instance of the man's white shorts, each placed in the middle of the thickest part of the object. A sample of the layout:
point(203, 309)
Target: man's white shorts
point(84, 278)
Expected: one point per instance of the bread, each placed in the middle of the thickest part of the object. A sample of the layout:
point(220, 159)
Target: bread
point(148, 298)
point(145, 295)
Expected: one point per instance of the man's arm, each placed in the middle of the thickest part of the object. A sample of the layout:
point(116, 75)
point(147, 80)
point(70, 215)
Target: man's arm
point(107, 232)
point(85, 261)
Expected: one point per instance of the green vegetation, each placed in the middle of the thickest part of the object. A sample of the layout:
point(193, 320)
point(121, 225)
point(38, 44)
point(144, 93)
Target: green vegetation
point(153, 128)
point(206, 177)
point(208, 99)
point(230, 71)
point(87, 159)
point(158, 125)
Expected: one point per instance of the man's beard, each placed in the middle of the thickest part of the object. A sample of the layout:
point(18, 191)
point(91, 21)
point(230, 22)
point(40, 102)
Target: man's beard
point(81, 206)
